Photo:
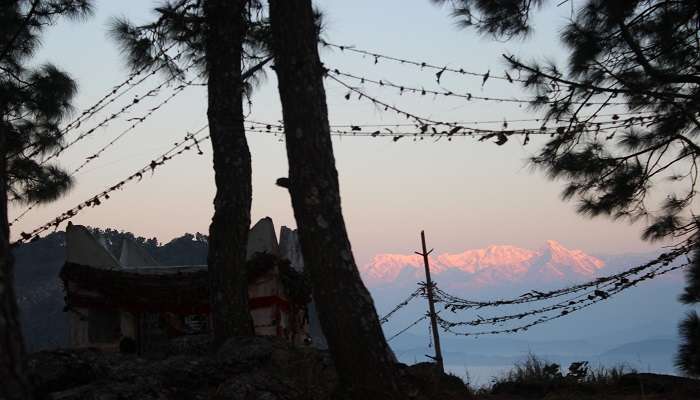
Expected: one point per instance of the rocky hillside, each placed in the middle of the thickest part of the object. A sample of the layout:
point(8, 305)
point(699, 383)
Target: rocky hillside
point(265, 368)
point(256, 368)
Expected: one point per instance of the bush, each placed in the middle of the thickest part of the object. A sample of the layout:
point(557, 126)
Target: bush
point(688, 357)
point(608, 375)
point(533, 369)
point(535, 378)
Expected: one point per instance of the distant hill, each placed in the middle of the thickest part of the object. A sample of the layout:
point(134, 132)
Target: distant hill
point(40, 292)
point(650, 347)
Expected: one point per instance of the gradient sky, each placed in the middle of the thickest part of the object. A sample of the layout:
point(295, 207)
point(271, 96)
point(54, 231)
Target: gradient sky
point(464, 193)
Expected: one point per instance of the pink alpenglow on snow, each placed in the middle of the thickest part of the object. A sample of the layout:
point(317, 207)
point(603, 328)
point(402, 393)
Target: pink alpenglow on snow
point(489, 266)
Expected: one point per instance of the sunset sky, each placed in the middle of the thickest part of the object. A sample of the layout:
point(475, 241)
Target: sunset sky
point(464, 193)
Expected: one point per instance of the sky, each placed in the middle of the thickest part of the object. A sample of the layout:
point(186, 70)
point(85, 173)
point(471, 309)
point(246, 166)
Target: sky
point(465, 194)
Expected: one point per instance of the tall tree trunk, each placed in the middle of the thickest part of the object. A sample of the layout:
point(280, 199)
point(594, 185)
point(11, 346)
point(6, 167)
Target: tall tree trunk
point(362, 357)
point(228, 233)
point(14, 384)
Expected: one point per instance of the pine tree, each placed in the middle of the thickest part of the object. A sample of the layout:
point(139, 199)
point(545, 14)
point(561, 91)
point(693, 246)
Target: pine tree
point(364, 361)
point(228, 234)
point(634, 56)
point(221, 37)
point(688, 357)
point(33, 103)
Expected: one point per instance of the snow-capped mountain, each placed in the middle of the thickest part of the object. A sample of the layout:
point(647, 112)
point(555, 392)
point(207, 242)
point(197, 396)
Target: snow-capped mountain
point(490, 266)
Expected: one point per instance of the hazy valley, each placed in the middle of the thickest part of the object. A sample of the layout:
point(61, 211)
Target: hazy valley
point(638, 328)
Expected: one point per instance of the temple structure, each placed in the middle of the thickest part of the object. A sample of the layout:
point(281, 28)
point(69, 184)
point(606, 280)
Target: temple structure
point(134, 304)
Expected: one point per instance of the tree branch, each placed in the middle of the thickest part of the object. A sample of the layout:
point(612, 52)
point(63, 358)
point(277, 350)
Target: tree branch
point(518, 65)
point(8, 46)
point(646, 65)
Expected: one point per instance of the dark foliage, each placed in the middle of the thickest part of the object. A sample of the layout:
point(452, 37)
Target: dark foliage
point(33, 100)
point(188, 249)
point(501, 18)
point(181, 26)
point(114, 239)
point(534, 378)
point(178, 36)
point(688, 357)
point(629, 55)
point(691, 294)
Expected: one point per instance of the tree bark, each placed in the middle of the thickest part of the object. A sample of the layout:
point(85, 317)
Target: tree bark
point(228, 232)
point(14, 384)
point(349, 320)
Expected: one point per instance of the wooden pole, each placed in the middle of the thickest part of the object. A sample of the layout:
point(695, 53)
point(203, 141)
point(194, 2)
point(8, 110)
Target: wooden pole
point(431, 305)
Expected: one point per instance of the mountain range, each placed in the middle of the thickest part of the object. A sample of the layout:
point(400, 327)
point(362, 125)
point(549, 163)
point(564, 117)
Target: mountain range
point(645, 312)
point(636, 328)
point(487, 267)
